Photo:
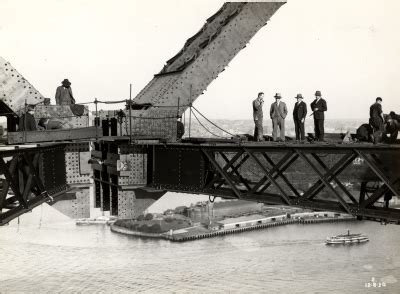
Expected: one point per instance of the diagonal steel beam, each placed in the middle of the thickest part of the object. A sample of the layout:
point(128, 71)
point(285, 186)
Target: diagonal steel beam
point(27, 188)
point(279, 173)
point(12, 164)
point(226, 167)
point(10, 179)
point(326, 183)
point(275, 168)
point(234, 169)
point(229, 164)
point(335, 170)
point(331, 175)
point(375, 196)
point(270, 177)
point(243, 160)
point(280, 168)
point(378, 172)
point(223, 173)
point(32, 164)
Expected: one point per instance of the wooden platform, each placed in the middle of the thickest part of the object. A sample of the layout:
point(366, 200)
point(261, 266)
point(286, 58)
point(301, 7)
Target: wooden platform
point(54, 135)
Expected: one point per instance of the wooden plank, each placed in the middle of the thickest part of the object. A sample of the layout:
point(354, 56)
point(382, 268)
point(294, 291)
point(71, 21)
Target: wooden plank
point(54, 135)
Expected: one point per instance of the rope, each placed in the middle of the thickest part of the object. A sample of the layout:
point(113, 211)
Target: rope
point(205, 127)
point(212, 122)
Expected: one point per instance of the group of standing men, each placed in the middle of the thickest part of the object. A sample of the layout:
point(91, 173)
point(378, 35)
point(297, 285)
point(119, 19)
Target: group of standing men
point(278, 113)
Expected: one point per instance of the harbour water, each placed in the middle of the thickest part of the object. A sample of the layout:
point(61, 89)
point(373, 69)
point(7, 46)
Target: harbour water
point(48, 253)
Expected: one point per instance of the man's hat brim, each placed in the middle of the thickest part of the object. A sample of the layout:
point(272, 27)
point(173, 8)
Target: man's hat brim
point(66, 82)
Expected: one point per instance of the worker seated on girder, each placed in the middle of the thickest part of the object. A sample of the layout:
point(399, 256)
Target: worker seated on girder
point(27, 120)
point(53, 123)
point(180, 129)
point(364, 133)
point(391, 127)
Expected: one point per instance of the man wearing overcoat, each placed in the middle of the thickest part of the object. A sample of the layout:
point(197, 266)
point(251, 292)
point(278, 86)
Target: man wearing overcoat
point(318, 106)
point(299, 116)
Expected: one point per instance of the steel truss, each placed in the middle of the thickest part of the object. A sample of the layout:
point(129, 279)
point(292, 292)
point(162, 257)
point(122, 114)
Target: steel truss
point(30, 176)
point(320, 177)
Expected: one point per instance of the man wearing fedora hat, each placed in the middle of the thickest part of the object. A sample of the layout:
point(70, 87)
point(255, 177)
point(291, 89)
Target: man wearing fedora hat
point(64, 93)
point(318, 106)
point(27, 120)
point(278, 114)
point(299, 116)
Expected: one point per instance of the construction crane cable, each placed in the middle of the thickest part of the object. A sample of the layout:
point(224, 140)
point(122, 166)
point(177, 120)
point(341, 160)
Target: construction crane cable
point(195, 116)
point(212, 122)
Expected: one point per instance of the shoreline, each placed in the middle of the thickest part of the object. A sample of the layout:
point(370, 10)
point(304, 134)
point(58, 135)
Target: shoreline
point(182, 237)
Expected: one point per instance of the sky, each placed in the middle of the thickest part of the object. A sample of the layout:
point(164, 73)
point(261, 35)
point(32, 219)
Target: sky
point(347, 49)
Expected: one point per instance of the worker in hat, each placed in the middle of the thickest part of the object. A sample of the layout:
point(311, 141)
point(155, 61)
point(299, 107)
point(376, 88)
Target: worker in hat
point(391, 127)
point(278, 114)
point(27, 120)
point(299, 117)
point(318, 106)
point(258, 117)
point(376, 120)
point(64, 93)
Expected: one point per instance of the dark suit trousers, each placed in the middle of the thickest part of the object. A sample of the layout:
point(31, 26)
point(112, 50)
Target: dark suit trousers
point(258, 130)
point(299, 129)
point(319, 129)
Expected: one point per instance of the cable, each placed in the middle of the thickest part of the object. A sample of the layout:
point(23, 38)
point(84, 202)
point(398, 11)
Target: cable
point(84, 103)
point(213, 123)
point(112, 102)
point(205, 127)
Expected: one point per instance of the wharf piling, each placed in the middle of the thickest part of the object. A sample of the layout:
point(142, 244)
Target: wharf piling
point(223, 232)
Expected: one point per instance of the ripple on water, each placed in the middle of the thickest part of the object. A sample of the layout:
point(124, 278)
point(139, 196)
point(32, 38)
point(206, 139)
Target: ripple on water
point(293, 259)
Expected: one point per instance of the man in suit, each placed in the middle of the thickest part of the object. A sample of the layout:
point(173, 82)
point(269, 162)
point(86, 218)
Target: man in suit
point(64, 93)
point(318, 106)
point(258, 117)
point(278, 114)
point(376, 118)
point(299, 116)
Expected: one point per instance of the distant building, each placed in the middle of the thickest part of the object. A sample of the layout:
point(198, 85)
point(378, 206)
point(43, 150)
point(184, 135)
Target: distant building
point(247, 221)
point(226, 208)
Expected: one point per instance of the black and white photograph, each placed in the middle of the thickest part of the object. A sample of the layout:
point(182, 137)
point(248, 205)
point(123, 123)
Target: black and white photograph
point(199, 146)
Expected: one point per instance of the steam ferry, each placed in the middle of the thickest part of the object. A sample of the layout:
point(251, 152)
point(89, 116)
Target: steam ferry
point(347, 239)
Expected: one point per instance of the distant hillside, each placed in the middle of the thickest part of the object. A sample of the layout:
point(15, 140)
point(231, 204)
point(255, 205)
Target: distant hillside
point(247, 127)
